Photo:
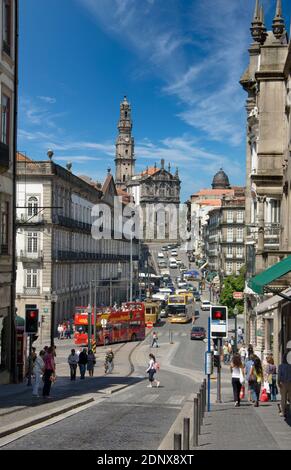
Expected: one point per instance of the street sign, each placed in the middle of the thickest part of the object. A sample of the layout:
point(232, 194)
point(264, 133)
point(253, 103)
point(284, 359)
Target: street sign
point(103, 322)
point(218, 321)
point(209, 363)
point(238, 295)
point(149, 324)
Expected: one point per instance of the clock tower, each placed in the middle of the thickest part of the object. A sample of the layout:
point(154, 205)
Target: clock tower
point(124, 159)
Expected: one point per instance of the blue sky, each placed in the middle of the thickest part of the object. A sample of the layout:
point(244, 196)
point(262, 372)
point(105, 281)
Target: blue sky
point(178, 61)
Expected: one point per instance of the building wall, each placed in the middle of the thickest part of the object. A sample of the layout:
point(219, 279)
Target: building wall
point(7, 73)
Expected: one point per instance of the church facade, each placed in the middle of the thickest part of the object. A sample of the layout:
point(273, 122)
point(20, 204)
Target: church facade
point(156, 190)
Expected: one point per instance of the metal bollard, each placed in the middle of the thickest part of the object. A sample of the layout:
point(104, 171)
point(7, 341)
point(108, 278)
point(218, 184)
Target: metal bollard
point(177, 441)
point(186, 434)
point(205, 394)
point(195, 422)
point(201, 405)
point(198, 414)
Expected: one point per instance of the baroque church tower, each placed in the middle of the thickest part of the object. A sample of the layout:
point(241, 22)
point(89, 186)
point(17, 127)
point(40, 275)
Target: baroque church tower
point(124, 159)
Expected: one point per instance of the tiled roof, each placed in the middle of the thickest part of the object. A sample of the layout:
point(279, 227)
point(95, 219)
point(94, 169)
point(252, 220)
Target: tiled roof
point(150, 171)
point(209, 202)
point(20, 157)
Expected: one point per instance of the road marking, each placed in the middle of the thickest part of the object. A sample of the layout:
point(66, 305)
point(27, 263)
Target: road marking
point(175, 400)
point(125, 397)
point(184, 334)
point(150, 398)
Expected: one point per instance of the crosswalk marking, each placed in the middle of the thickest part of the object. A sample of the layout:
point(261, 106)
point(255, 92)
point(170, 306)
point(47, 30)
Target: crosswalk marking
point(175, 400)
point(150, 398)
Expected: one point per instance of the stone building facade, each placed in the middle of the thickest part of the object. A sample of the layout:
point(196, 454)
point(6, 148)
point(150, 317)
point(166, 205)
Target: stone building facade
point(201, 203)
point(268, 221)
point(8, 97)
point(225, 235)
point(56, 252)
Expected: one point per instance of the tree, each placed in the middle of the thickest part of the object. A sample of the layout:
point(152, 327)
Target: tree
point(233, 284)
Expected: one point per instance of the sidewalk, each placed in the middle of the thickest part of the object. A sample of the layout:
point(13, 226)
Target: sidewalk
point(228, 428)
point(18, 409)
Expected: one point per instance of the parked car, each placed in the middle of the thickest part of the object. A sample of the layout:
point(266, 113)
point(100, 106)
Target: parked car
point(205, 305)
point(174, 253)
point(160, 254)
point(198, 332)
point(164, 248)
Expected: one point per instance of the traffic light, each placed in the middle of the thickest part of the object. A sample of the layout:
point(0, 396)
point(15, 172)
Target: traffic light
point(31, 320)
point(218, 314)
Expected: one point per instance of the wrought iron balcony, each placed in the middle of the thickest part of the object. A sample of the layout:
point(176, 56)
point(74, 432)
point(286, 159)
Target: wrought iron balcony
point(31, 291)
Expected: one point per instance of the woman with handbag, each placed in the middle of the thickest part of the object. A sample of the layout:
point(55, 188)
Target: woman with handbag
point(271, 377)
point(237, 377)
point(256, 378)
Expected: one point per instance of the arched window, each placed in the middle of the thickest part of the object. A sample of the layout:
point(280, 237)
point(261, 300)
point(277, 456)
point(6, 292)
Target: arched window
point(32, 206)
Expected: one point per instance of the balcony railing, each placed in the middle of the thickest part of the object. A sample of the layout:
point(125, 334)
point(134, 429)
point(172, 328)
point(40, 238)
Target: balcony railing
point(31, 291)
point(26, 219)
point(62, 255)
point(26, 255)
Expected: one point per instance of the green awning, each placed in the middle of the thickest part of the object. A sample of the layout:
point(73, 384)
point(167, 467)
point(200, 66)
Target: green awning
point(257, 283)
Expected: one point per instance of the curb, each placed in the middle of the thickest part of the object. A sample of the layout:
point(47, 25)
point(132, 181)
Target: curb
point(43, 417)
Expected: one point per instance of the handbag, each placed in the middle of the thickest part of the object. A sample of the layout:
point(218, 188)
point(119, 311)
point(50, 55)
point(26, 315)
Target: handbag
point(264, 395)
point(267, 386)
point(242, 392)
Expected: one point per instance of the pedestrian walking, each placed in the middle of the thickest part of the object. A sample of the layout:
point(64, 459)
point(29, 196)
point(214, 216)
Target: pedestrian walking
point(250, 351)
point(155, 340)
point(73, 361)
point(284, 381)
point(38, 370)
point(60, 331)
point(225, 353)
point(240, 334)
point(49, 372)
point(91, 362)
point(151, 370)
point(243, 353)
point(109, 364)
point(237, 377)
point(271, 378)
point(83, 360)
point(248, 366)
point(256, 378)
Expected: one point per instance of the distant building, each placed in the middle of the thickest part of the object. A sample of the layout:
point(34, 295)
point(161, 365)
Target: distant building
point(202, 203)
point(225, 235)
point(149, 188)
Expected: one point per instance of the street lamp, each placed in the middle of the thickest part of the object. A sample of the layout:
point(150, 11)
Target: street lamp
point(89, 311)
point(235, 312)
point(54, 299)
point(119, 272)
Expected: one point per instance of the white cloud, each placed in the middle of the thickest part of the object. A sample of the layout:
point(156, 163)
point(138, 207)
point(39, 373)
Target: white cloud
point(199, 51)
point(48, 99)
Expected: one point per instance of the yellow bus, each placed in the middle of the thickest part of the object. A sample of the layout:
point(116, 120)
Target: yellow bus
point(152, 310)
point(181, 307)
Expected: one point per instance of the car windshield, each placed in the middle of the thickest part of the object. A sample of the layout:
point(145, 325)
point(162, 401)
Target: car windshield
point(197, 328)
